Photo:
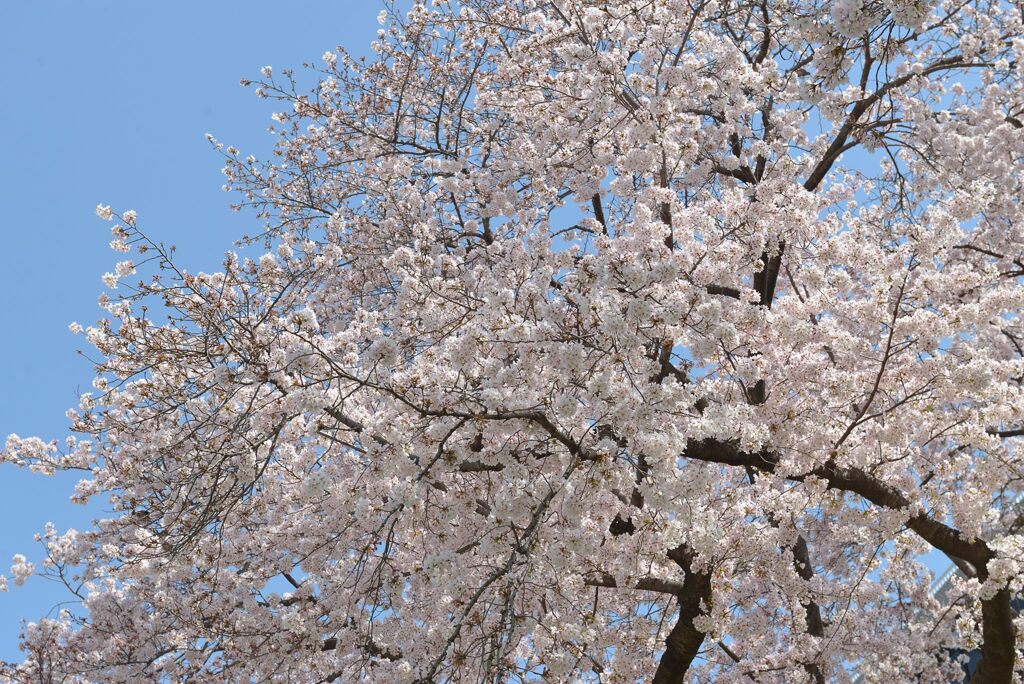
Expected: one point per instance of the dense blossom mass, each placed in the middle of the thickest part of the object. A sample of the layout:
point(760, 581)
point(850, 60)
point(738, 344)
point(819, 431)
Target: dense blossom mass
point(647, 340)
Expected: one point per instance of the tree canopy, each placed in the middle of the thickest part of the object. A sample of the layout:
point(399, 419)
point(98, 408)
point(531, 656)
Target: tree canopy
point(646, 340)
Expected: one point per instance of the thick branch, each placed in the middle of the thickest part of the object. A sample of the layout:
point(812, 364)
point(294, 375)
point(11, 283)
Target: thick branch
point(997, 616)
point(599, 211)
point(997, 649)
point(939, 535)
point(815, 626)
point(684, 641)
point(824, 165)
point(370, 647)
point(766, 279)
point(645, 584)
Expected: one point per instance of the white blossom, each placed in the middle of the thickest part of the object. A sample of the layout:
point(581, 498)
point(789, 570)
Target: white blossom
point(21, 569)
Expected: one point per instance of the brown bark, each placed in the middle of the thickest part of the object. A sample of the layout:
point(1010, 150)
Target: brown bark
point(815, 626)
point(684, 641)
point(997, 649)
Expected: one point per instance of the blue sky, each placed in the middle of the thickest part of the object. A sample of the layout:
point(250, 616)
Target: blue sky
point(109, 102)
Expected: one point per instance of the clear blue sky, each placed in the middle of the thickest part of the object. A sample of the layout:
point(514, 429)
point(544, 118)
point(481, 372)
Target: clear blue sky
point(109, 102)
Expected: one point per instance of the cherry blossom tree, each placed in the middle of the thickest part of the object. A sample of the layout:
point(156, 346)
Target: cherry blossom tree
point(646, 340)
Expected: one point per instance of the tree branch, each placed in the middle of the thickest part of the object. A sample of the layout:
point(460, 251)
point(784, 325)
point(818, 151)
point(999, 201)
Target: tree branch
point(999, 645)
point(684, 641)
